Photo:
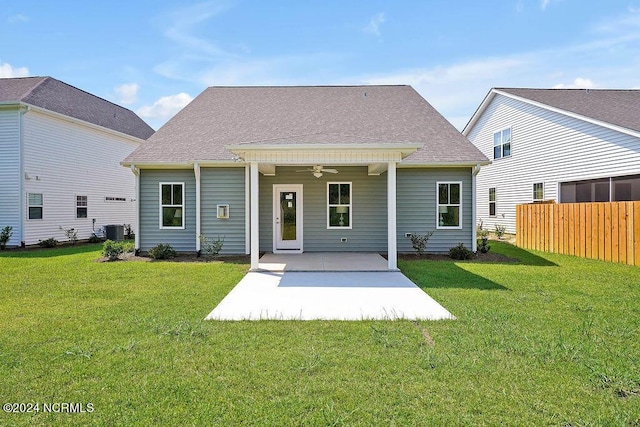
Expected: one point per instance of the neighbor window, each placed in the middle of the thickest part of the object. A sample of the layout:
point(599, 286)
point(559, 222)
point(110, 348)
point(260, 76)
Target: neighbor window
point(449, 213)
point(502, 144)
point(81, 206)
point(171, 205)
point(492, 201)
point(35, 205)
point(538, 192)
point(339, 205)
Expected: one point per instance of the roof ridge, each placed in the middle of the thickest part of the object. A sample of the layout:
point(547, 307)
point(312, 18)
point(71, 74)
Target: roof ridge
point(88, 93)
point(303, 86)
point(33, 88)
point(571, 89)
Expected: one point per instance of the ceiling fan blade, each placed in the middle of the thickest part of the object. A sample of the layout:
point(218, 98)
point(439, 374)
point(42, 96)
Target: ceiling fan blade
point(330, 170)
point(305, 170)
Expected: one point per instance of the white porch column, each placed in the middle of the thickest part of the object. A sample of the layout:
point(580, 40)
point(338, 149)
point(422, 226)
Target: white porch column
point(247, 209)
point(136, 225)
point(196, 171)
point(392, 250)
point(255, 236)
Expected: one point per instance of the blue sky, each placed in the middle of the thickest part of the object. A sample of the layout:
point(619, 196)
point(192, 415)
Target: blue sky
point(155, 56)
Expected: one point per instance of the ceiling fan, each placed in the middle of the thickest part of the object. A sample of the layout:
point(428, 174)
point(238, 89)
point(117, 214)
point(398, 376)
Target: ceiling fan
point(318, 170)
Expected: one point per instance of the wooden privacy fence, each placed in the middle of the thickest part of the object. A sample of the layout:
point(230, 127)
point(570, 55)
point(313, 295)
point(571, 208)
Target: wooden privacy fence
point(605, 231)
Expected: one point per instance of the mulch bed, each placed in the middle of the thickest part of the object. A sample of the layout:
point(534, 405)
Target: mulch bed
point(489, 257)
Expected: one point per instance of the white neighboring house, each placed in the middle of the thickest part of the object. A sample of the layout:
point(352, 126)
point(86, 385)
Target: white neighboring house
point(562, 145)
point(60, 149)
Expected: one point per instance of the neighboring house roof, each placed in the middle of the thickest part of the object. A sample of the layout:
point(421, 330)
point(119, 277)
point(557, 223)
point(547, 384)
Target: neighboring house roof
point(57, 96)
point(230, 116)
point(620, 108)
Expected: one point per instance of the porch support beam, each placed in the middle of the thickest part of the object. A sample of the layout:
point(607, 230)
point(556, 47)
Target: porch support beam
point(376, 168)
point(196, 172)
point(392, 250)
point(255, 236)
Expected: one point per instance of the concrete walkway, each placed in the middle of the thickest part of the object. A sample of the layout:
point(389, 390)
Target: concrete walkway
point(334, 295)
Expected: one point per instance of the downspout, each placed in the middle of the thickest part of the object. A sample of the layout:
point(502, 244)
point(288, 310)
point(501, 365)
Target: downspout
point(22, 110)
point(196, 171)
point(136, 173)
point(474, 236)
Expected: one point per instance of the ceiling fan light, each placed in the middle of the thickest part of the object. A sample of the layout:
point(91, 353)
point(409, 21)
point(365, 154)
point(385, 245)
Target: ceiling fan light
point(317, 174)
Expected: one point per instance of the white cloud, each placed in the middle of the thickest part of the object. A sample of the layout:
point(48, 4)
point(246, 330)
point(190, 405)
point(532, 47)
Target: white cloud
point(17, 19)
point(578, 83)
point(184, 22)
point(6, 70)
point(127, 93)
point(165, 107)
point(373, 27)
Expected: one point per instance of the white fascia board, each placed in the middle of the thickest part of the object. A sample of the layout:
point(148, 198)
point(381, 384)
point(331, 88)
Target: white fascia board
point(571, 114)
point(409, 165)
point(182, 165)
point(479, 111)
point(404, 148)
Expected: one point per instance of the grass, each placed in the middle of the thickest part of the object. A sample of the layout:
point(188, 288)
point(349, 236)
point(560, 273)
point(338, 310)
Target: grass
point(552, 340)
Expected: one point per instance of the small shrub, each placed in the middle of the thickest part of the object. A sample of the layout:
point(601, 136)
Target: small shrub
point(211, 247)
point(94, 238)
point(128, 232)
point(484, 238)
point(48, 243)
point(460, 252)
point(162, 251)
point(419, 241)
point(117, 250)
point(72, 235)
point(500, 230)
point(5, 235)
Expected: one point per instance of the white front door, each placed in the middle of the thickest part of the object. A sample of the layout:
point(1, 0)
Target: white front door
point(287, 218)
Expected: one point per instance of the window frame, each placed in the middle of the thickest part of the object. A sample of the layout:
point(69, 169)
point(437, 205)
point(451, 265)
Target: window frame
point(438, 205)
point(534, 192)
point(494, 202)
point(332, 205)
point(85, 207)
point(502, 143)
point(29, 206)
point(162, 206)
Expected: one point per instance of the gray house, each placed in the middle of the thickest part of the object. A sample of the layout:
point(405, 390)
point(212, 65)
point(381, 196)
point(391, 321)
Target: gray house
point(293, 169)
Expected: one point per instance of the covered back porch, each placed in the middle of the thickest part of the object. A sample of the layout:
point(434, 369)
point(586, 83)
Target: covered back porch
point(352, 200)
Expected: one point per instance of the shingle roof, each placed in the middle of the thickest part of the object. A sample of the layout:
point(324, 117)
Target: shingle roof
point(224, 116)
point(617, 107)
point(57, 96)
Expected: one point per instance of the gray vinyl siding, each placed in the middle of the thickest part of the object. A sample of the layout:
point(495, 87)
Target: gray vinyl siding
point(546, 147)
point(223, 186)
point(369, 204)
point(10, 176)
point(416, 208)
point(150, 232)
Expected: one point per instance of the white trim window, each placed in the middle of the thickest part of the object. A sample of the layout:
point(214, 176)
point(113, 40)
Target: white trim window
point(492, 201)
point(35, 206)
point(339, 202)
point(502, 143)
point(449, 205)
point(172, 205)
point(538, 191)
point(81, 207)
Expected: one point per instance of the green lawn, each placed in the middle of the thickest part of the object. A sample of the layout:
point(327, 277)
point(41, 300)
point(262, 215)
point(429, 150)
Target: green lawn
point(553, 340)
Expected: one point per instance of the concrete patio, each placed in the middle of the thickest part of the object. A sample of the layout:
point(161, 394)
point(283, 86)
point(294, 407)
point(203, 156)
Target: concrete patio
point(286, 289)
point(324, 261)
